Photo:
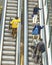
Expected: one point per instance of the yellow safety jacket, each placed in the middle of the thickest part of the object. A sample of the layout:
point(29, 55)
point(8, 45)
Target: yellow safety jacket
point(15, 22)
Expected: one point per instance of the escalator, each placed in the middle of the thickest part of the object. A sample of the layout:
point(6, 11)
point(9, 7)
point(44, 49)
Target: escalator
point(49, 12)
point(31, 5)
point(8, 53)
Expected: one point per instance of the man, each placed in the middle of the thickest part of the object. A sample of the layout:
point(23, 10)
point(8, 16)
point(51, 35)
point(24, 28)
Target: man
point(38, 50)
point(35, 13)
point(41, 49)
point(41, 46)
point(14, 24)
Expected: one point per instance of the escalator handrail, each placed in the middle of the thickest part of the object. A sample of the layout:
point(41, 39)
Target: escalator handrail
point(18, 35)
point(47, 12)
point(3, 22)
point(25, 32)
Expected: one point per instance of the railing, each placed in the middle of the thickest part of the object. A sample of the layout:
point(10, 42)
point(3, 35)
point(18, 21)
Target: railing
point(25, 33)
point(48, 24)
point(18, 35)
point(3, 22)
point(42, 19)
point(50, 30)
point(47, 21)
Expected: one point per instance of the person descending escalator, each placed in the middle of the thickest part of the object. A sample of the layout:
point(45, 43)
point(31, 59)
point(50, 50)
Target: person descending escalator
point(14, 25)
point(37, 51)
point(35, 13)
point(40, 50)
point(36, 31)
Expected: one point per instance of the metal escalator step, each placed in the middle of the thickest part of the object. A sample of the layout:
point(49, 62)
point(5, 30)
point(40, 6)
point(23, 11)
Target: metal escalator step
point(30, 27)
point(30, 31)
point(11, 58)
point(30, 53)
point(30, 9)
point(8, 34)
point(50, 11)
point(30, 3)
point(50, 15)
point(30, 44)
point(30, 16)
point(12, 8)
point(9, 39)
point(31, 6)
point(30, 13)
point(11, 15)
point(9, 53)
point(30, 39)
point(9, 1)
point(13, 5)
point(6, 26)
point(8, 30)
point(33, 0)
point(31, 63)
point(30, 35)
point(30, 24)
point(8, 19)
point(30, 59)
point(30, 20)
point(8, 62)
point(11, 48)
point(11, 12)
point(29, 48)
point(9, 43)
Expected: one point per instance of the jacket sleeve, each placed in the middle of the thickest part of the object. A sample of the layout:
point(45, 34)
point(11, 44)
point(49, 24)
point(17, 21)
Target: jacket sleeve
point(39, 8)
point(41, 27)
point(11, 22)
point(19, 20)
point(34, 27)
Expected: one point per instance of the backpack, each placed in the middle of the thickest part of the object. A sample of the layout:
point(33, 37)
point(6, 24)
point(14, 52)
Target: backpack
point(35, 30)
point(43, 48)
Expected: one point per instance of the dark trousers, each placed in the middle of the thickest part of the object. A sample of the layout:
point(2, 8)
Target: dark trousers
point(14, 31)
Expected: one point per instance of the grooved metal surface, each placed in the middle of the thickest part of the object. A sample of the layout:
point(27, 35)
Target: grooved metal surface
point(9, 43)
point(31, 4)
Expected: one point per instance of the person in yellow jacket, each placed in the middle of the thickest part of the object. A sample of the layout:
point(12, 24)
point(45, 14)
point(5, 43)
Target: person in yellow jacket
point(14, 25)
